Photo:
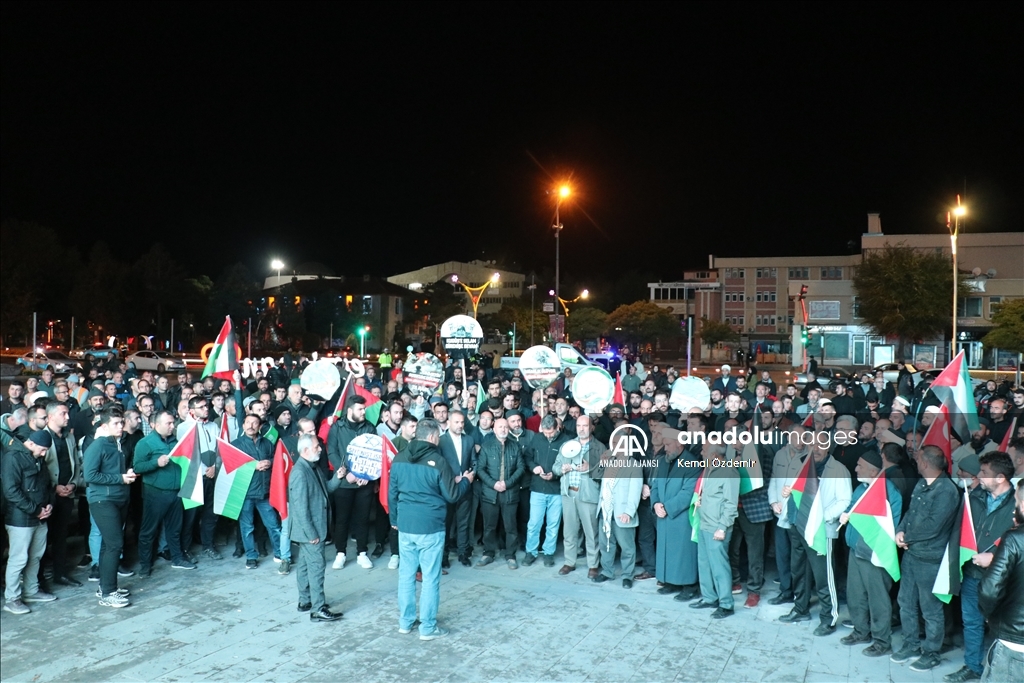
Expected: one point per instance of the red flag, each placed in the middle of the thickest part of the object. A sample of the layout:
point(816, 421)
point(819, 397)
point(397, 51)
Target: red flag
point(938, 436)
point(339, 410)
point(279, 475)
point(617, 396)
point(385, 470)
point(1009, 434)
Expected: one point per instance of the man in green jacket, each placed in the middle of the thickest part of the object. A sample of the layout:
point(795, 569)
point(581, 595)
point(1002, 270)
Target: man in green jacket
point(717, 508)
point(161, 481)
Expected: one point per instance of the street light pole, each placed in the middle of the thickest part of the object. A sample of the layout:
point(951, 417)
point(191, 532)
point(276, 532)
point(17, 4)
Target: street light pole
point(533, 290)
point(563, 192)
point(954, 232)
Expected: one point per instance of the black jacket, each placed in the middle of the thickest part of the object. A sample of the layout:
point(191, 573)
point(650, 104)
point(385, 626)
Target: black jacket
point(1001, 594)
point(341, 435)
point(929, 520)
point(489, 466)
point(544, 453)
point(260, 449)
point(27, 487)
point(988, 527)
point(103, 466)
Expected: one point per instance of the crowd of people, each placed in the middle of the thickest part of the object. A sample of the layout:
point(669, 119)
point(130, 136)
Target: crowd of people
point(487, 461)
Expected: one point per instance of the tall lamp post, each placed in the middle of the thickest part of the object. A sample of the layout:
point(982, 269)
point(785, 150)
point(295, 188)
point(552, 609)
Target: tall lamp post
point(476, 292)
point(953, 224)
point(362, 341)
point(561, 195)
point(565, 304)
point(277, 265)
point(533, 290)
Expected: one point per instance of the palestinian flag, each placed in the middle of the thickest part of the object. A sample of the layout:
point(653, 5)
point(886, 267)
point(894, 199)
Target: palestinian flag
point(938, 435)
point(222, 362)
point(373, 404)
point(810, 517)
point(339, 409)
point(279, 475)
point(694, 513)
point(481, 397)
point(953, 388)
point(871, 516)
point(272, 434)
point(962, 546)
point(1005, 445)
point(385, 471)
point(186, 455)
point(751, 478)
point(236, 472)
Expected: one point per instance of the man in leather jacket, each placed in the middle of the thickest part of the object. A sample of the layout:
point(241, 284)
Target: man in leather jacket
point(1001, 600)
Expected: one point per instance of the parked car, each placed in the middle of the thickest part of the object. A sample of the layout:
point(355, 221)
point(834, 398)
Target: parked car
point(827, 376)
point(95, 352)
point(157, 361)
point(48, 360)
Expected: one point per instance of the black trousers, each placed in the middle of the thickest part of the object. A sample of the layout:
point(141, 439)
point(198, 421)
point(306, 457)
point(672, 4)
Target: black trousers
point(648, 537)
point(57, 533)
point(382, 525)
point(506, 508)
point(753, 534)
point(867, 596)
point(807, 566)
point(352, 516)
point(159, 507)
point(460, 524)
point(523, 516)
point(110, 517)
point(207, 522)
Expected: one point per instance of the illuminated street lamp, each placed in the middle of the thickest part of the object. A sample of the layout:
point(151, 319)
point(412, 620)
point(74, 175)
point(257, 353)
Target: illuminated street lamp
point(277, 265)
point(954, 230)
point(362, 340)
point(563, 193)
point(476, 292)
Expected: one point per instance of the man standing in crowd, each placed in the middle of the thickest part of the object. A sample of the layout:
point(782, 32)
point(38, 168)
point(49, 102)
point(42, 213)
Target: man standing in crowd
point(545, 493)
point(717, 508)
point(206, 433)
point(458, 449)
point(27, 492)
point(923, 534)
point(867, 585)
point(257, 497)
point(621, 485)
point(352, 497)
point(500, 467)
point(1001, 601)
point(107, 480)
point(308, 506)
point(581, 493)
point(64, 465)
point(421, 488)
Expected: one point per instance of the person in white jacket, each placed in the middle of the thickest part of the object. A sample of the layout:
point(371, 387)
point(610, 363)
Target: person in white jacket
point(785, 467)
point(834, 492)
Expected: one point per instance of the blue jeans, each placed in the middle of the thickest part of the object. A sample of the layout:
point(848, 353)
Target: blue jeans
point(423, 551)
point(543, 505)
point(782, 560)
point(269, 516)
point(974, 625)
point(286, 539)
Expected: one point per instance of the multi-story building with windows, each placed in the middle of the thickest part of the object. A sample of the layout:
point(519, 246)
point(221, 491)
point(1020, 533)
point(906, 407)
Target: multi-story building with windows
point(510, 285)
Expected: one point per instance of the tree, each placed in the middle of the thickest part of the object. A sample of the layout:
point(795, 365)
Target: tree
point(235, 292)
point(905, 293)
point(586, 322)
point(642, 322)
point(1008, 332)
point(713, 332)
point(516, 311)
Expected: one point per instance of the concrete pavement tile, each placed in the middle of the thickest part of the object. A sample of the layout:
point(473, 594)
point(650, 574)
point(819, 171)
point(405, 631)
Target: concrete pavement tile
point(818, 677)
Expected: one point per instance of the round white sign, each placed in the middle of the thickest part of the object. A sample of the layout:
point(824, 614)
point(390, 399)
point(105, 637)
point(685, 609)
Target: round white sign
point(539, 365)
point(593, 388)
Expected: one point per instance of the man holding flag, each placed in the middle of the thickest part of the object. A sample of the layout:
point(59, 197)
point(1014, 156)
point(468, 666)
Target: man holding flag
point(257, 496)
point(206, 434)
point(992, 506)
point(873, 566)
point(923, 534)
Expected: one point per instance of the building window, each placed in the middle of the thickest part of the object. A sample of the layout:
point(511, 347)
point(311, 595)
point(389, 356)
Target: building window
point(969, 307)
point(855, 307)
point(367, 305)
point(758, 321)
point(774, 273)
point(758, 296)
point(799, 273)
point(993, 302)
point(772, 323)
point(760, 272)
point(398, 306)
point(832, 273)
point(772, 295)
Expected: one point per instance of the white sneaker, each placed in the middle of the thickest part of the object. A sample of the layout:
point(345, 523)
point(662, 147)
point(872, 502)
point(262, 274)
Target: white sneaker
point(339, 561)
point(393, 562)
point(364, 561)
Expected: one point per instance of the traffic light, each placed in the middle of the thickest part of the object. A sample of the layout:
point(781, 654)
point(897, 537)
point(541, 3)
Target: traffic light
point(810, 338)
point(804, 336)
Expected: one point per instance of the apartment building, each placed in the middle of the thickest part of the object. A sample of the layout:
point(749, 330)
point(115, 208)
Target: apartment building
point(510, 285)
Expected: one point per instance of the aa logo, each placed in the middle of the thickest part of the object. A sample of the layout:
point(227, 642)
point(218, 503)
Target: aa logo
point(628, 441)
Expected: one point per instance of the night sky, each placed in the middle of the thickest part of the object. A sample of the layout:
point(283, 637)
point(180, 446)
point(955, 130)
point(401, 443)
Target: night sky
point(379, 138)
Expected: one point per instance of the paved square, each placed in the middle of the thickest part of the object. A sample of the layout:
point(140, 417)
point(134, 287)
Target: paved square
point(224, 623)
